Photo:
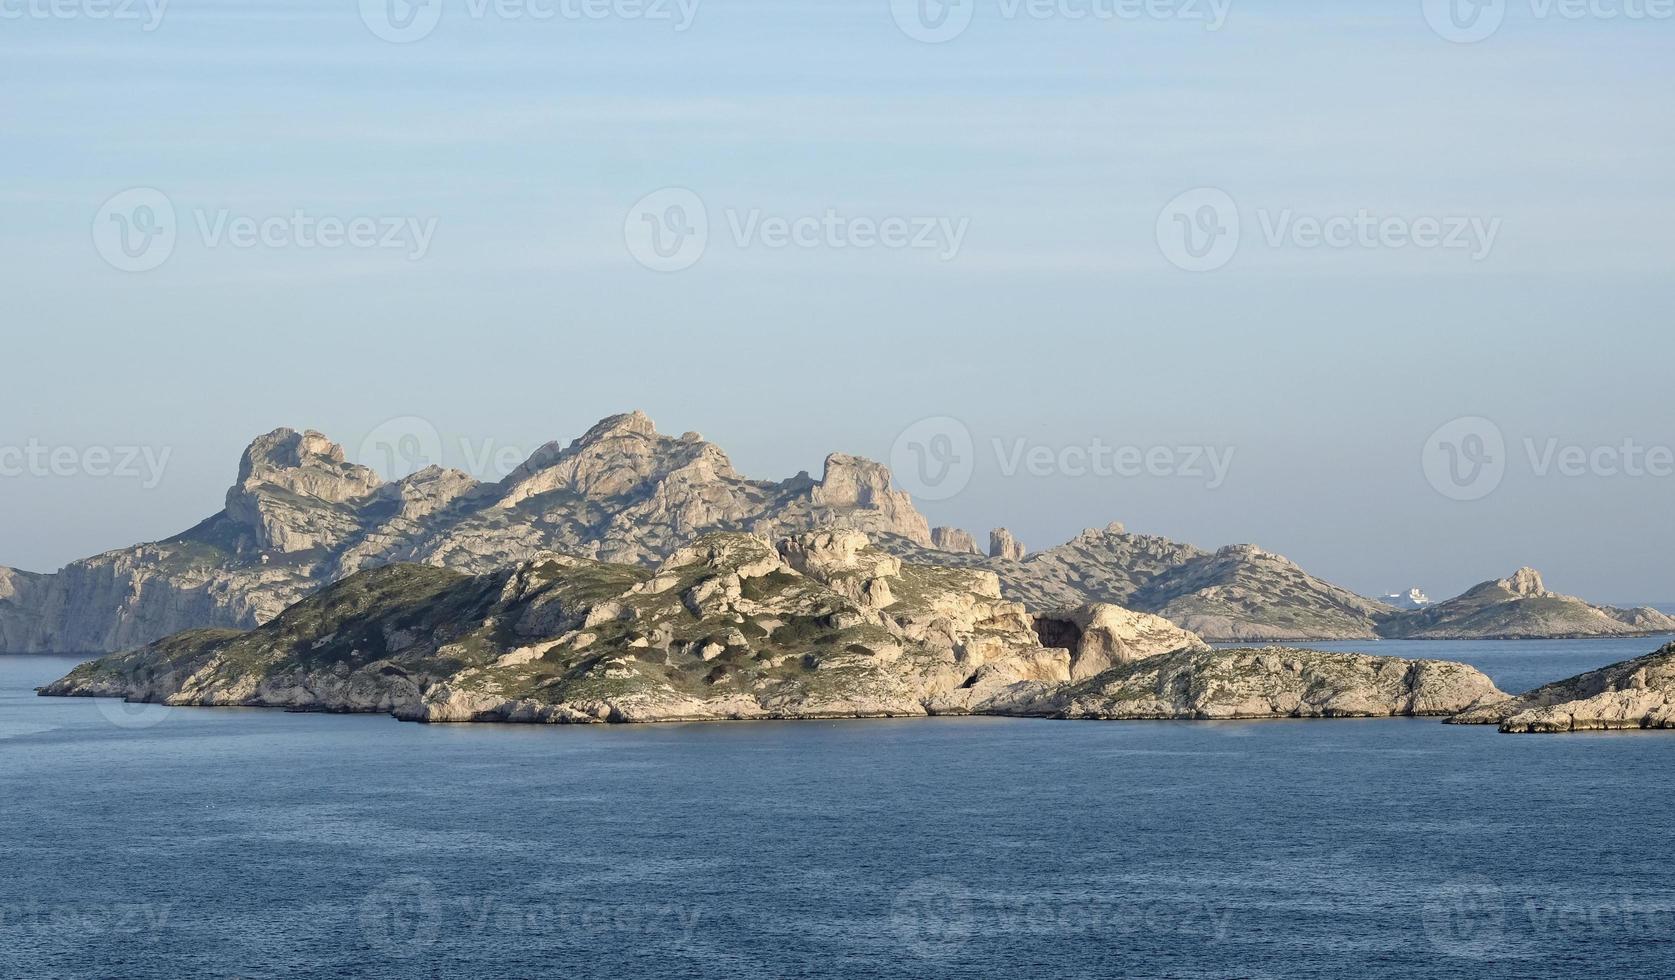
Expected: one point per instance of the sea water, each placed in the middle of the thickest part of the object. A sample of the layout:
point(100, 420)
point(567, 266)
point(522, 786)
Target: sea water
point(153, 842)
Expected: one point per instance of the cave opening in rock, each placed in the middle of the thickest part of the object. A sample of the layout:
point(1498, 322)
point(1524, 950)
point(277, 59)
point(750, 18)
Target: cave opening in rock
point(1060, 633)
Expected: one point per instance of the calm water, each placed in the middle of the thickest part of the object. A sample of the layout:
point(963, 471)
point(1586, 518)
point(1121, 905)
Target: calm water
point(155, 842)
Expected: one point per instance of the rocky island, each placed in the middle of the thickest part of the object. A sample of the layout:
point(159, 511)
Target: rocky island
point(1634, 694)
point(300, 517)
point(822, 624)
point(1520, 607)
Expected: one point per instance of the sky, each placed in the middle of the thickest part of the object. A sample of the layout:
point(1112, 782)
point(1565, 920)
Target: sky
point(1337, 279)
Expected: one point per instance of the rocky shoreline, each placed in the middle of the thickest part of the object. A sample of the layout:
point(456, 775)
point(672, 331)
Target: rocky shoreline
point(1634, 694)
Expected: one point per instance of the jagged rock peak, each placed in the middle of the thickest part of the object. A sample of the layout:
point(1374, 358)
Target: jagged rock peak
point(288, 449)
point(1525, 582)
point(616, 455)
point(306, 463)
point(627, 423)
point(288, 484)
point(1003, 545)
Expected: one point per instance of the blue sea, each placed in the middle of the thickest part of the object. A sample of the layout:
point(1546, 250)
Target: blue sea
point(152, 842)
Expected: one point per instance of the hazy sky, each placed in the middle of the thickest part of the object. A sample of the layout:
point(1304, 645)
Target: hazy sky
point(1031, 167)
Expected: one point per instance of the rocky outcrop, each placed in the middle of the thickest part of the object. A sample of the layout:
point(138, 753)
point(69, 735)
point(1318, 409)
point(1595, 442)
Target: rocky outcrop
point(729, 627)
point(297, 492)
point(1521, 607)
point(1274, 682)
point(1634, 694)
point(1100, 636)
point(954, 539)
point(1004, 546)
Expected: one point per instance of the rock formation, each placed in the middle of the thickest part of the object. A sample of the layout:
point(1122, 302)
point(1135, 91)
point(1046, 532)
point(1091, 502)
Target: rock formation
point(1004, 546)
point(1637, 693)
point(729, 627)
point(1521, 607)
point(954, 539)
point(300, 516)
